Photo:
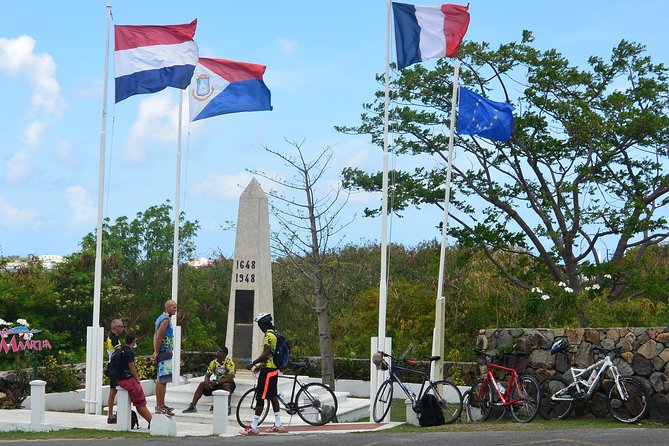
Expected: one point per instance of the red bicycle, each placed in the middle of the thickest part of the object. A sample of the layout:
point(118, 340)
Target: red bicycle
point(521, 396)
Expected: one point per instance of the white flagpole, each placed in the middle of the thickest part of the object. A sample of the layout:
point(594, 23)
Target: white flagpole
point(383, 286)
point(94, 335)
point(437, 371)
point(176, 356)
point(376, 378)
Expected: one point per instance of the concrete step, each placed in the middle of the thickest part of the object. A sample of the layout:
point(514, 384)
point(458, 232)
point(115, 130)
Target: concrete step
point(178, 397)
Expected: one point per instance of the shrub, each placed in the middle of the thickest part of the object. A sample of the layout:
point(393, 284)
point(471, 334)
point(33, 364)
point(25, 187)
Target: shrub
point(59, 378)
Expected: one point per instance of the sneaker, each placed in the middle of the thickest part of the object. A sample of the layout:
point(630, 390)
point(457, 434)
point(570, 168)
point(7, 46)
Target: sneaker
point(277, 430)
point(164, 410)
point(249, 431)
point(190, 409)
point(111, 420)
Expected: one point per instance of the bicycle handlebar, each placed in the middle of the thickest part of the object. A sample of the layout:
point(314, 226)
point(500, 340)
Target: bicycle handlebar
point(480, 352)
point(409, 361)
point(596, 348)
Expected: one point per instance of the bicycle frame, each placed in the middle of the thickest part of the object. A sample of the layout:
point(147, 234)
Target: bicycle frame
point(580, 380)
point(394, 368)
point(505, 397)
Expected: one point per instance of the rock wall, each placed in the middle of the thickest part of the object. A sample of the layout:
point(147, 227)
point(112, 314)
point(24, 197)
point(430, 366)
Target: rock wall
point(644, 355)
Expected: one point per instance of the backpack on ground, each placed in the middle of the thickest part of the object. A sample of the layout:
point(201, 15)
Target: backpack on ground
point(281, 354)
point(430, 411)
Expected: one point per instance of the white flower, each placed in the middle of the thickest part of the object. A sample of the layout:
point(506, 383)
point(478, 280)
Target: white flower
point(607, 276)
point(3, 322)
point(588, 288)
point(562, 284)
point(536, 289)
point(22, 322)
point(595, 286)
point(27, 336)
point(568, 290)
point(545, 297)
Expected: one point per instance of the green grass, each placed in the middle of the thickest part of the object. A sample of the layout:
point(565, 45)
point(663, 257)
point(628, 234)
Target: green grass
point(398, 414)
point(70, 434)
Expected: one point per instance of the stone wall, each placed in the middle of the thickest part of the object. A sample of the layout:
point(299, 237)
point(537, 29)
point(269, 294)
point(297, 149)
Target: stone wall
point(644, 355)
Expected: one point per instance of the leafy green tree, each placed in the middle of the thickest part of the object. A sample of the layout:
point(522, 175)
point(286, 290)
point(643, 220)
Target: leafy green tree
point(585, 168)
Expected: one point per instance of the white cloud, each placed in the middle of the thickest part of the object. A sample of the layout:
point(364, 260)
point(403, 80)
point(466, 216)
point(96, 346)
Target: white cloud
point(287, 46)
point(82, 208)
point(157, 122)
point(17, 58)
point(225, 187)
point(11, 216)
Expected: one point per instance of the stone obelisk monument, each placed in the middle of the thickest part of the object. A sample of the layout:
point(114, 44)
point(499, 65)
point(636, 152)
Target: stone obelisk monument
point(251, 284)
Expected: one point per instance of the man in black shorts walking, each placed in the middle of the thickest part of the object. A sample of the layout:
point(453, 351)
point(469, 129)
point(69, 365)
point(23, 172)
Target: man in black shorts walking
point(268, 377)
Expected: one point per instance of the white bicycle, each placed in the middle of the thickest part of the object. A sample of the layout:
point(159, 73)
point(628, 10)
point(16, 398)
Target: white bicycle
point(627, 399)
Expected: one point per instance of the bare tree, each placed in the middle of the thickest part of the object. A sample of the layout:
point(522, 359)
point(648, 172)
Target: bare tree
point(307, 226)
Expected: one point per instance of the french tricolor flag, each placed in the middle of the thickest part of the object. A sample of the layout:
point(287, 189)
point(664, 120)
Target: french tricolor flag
point(149, 58)
point(221, 86)
point(426, 32)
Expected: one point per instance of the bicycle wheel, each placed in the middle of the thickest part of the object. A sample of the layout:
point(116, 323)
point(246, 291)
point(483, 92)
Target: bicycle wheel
point(629, 405)
point(382, 401)
point(526, 391)
point(449, 397)
point(316, 404)
point(246, 408)
point(479, 403)
point(556, 403)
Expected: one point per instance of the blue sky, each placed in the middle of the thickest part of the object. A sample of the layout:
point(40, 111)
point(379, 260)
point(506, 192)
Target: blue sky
point(321, 59)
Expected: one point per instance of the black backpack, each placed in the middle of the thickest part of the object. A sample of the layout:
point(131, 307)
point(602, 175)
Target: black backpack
point(430, 411)
point(114, 369)
point(281, 354)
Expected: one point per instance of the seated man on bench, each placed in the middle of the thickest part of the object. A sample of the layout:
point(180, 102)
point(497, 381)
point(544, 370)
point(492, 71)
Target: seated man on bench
point(220, 376)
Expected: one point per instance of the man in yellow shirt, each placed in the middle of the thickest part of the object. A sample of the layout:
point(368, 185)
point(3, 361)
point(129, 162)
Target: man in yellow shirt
point(268, 377)
point(222, 369)
point(112, 343)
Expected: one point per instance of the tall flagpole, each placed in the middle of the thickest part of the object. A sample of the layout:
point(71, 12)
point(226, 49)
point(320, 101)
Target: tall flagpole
point(94, 334)
point(176, 358)
point(383, 344)
point(437, 371)
point(383, 286)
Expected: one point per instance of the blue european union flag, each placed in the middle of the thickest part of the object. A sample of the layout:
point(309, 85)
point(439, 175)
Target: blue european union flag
point(480, 116)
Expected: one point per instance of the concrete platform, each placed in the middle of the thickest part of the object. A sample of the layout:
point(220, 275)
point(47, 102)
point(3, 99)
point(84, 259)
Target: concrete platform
point(19, 420)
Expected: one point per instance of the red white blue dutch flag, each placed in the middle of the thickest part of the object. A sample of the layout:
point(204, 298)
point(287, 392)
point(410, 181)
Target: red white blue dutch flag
point(426, 32)
point(149, 58)
point(221, 86)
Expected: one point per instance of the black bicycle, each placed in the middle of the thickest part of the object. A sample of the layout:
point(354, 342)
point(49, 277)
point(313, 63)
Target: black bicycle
point(314, 403)
point(448, 395)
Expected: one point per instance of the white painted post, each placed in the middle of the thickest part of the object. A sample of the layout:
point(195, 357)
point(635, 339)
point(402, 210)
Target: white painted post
point(412, 417)
point(221, 398)
point(37, 404)
point(376, 378)
point(123, 409)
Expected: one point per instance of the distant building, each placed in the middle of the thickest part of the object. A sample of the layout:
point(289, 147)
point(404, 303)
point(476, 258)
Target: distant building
point(50, 260)
point(198, 263)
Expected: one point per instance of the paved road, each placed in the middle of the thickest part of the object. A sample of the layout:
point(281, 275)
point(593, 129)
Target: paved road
point(583, 437)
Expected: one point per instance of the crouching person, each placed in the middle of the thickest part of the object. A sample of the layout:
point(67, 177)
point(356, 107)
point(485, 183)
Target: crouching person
point(220, 376)
point(130, 379)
